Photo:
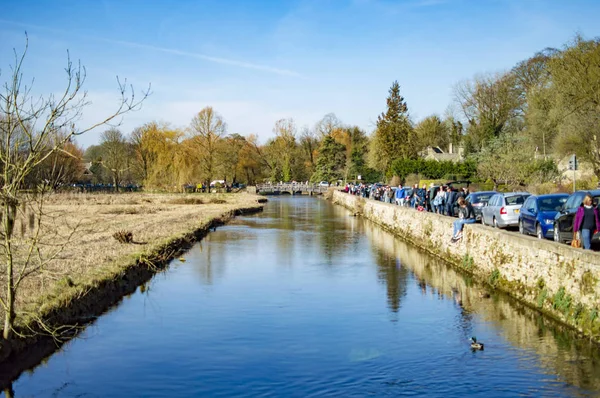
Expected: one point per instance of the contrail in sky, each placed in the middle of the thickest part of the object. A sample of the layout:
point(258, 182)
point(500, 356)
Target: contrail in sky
point(217, 60)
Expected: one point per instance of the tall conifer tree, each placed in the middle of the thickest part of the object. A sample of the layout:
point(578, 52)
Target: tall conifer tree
point(394, 137)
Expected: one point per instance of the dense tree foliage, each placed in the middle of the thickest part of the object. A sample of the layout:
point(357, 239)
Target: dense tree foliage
point(394, 137)
point(512, 127)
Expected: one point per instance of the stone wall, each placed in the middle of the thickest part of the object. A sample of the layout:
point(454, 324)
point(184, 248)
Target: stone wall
point(554, 278)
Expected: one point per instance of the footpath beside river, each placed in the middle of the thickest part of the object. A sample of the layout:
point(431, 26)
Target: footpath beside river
point(556, 279)
point(94, 271)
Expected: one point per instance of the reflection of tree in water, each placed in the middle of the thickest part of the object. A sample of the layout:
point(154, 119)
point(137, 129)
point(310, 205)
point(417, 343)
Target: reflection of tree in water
point(391, 272)
point(211, 264)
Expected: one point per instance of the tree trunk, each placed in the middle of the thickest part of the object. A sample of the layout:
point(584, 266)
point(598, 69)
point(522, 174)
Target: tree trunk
point(9, 316)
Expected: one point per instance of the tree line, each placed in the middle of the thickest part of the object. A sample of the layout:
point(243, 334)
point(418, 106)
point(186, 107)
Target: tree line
point(511, 126)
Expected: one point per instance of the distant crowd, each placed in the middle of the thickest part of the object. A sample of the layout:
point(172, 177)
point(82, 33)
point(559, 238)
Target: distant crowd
point(435, 199)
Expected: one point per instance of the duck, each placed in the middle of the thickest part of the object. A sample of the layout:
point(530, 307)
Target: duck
point(475, 345)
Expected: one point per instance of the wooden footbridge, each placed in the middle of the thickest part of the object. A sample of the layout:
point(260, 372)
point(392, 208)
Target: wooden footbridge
point(291, 189)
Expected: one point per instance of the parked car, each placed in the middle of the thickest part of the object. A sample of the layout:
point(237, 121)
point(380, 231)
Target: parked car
point(503, 209)
point(538, 214)
point(478, 200)
point(563, 222)
point(324, 184)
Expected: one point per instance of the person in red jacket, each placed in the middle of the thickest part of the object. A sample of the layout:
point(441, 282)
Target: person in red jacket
point(586, 221)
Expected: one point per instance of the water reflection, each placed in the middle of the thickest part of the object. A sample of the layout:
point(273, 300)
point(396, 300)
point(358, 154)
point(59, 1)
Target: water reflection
point(558, 348)
point(306, 300)
point(395, 277)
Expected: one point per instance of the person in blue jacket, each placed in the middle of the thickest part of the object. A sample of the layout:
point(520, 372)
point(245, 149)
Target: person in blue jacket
point(399, 195)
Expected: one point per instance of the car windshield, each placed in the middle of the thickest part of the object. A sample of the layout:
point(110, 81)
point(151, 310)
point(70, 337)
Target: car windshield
point(552, 204)
point(515, 200)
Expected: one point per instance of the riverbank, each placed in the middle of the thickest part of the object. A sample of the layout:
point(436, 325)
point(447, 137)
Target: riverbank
point(555, 279)
point(94, 271)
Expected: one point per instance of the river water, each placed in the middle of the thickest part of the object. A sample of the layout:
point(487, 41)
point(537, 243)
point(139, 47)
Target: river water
point(306, 300)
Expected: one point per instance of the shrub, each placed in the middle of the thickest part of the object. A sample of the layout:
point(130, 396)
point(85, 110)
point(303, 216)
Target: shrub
point(123, 236)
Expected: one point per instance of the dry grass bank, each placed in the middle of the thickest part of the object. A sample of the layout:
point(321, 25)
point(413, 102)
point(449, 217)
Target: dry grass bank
point(93, 255)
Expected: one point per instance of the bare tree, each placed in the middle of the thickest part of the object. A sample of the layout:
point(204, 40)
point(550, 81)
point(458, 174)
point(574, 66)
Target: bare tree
point(115, 155)
point(489, 104)
point(207, 129)
point(32, 130)
point(325, 126)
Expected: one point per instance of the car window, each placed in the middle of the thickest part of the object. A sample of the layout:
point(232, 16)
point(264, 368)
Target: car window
point(551, 204)
point(571, 202)
point(515, 200)
point(531, 207)
point(484, 197)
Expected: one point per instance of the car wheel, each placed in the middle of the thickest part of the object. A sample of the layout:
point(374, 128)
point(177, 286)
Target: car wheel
point(539, 232)
point(557, 234)
point(521, 229)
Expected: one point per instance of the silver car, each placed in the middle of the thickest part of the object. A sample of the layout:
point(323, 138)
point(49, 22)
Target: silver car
point(503, 209)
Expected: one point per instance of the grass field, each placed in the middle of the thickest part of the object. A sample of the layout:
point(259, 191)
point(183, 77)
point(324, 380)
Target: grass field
point(87, 222)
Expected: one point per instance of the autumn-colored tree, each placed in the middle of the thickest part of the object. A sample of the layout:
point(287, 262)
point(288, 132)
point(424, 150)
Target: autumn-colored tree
point(250, 162)
point(62, 167)
point(285, 145)
point(155, 147)
point(232, 154)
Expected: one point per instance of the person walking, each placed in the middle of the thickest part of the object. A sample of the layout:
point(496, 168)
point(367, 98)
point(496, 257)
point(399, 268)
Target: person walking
point(586, 221)
point(466, 215)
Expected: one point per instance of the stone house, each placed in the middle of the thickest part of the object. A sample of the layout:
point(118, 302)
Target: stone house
point(437, 154)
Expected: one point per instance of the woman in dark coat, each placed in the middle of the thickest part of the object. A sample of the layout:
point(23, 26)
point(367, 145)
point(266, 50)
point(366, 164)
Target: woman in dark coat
point(586, 221)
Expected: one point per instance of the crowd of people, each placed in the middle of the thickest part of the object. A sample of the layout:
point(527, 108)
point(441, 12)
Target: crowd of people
point(436, 199)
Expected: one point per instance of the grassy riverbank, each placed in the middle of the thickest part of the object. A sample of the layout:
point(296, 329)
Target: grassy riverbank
point(92, 261)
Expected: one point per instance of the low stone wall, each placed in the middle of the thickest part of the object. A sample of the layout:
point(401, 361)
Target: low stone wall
point(554, 278)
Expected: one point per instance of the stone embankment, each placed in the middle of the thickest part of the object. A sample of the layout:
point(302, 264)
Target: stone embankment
point(556, 279)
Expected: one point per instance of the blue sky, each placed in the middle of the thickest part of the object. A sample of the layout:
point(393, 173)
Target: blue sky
point(258, 61)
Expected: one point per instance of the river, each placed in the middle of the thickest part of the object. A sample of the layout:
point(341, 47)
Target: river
point(305, 300)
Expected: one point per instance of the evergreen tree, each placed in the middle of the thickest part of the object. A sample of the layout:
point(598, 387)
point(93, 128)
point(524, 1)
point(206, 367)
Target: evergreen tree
point(394, 137)
point(331, 160)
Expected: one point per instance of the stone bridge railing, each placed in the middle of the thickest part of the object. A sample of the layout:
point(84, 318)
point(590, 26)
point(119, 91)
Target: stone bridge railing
point(290, 188)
